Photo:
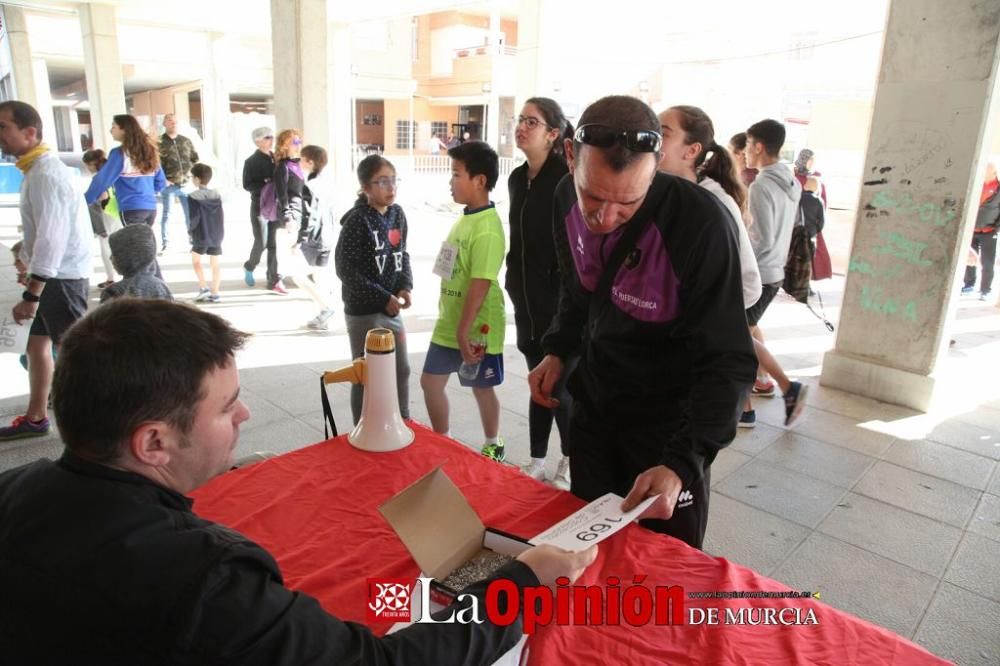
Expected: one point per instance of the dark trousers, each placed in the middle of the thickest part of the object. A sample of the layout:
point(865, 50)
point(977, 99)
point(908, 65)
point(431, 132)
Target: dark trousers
point(539, 417)
point(263, 237)
point(607, 457)
point(985, 245)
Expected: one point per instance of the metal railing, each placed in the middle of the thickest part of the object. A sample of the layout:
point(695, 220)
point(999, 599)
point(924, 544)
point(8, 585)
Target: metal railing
point(429, 164)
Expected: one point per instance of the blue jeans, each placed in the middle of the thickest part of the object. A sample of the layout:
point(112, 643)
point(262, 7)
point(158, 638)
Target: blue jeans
point(167, 194)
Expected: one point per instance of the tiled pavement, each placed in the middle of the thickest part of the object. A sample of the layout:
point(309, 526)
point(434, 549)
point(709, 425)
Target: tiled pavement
point(893, 515)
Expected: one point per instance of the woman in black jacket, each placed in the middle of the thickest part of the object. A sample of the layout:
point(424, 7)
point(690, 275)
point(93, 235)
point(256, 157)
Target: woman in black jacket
point(532, 271)
point(289, 186)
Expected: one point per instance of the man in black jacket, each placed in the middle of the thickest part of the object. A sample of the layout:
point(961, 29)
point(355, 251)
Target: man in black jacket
point(651, 286)
point(102, 560)
point(258, 169)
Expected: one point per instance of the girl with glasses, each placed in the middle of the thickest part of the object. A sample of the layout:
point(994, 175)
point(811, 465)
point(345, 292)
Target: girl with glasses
point(374, 270)
point(532, 270)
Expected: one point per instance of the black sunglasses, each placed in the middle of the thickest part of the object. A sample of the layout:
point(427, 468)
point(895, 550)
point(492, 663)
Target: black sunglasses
point(602, 136)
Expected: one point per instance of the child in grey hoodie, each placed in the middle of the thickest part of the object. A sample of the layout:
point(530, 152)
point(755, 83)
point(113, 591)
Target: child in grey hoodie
point(133, 252)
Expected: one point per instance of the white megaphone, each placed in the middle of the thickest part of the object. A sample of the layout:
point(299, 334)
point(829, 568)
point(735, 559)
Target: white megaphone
point(381, 428)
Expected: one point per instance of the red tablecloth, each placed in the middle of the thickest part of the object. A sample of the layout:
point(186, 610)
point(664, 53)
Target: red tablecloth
point(315, 510)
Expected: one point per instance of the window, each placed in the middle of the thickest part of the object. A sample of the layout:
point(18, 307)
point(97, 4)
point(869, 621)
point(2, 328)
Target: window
point(439, 127)
point(405, 132)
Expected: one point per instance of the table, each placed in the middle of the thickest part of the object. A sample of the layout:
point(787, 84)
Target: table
point(315, 510)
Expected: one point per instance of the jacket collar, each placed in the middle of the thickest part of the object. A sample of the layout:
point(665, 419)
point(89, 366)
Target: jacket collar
point(79, 465)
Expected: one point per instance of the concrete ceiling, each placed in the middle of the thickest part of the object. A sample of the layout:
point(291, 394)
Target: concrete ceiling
point(250, 18)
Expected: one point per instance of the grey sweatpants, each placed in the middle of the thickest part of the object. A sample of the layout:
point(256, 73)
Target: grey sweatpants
point(357, 328)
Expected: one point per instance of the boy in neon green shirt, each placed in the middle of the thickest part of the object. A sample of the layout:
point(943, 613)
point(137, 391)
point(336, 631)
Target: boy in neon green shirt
point(468, 264)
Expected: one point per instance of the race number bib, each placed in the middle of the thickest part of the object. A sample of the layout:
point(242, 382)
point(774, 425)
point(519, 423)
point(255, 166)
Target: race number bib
point(444, 265)
point(13, 336)
point(591, 524)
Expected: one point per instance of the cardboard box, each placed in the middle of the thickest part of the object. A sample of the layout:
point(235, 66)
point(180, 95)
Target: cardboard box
point(442, 531)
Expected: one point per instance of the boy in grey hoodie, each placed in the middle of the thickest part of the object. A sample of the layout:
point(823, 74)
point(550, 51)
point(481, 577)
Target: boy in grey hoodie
point(773, 202)
point(133, 252)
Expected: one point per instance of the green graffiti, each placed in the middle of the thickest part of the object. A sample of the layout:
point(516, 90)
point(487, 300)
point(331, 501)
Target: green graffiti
point(873, 300)
point(861, 266)
point(901, 247)
point(928, 212)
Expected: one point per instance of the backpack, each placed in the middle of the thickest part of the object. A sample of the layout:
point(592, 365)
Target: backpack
point(798, 266)
point(798, 273)
point(268, 202)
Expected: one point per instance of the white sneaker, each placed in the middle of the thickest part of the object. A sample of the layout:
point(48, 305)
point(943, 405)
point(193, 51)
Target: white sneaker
point(534, 470)
point(561, 480)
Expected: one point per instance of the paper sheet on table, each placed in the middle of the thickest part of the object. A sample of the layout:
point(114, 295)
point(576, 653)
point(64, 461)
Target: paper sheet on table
point(592, 524)
point(13, 336)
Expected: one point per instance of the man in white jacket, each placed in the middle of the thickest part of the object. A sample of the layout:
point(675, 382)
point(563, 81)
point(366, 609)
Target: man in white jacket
point(56, 250)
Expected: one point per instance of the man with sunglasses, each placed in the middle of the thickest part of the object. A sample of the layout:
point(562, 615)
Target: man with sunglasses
point(652, 300)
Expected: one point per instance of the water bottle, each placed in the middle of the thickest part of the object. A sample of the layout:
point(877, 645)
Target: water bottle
point(469, 371)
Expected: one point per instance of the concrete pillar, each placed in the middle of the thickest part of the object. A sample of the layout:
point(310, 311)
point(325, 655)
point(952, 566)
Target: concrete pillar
point(21, 61)
point(495, 49)
point(30, 74)
point(215, 113)
point(539, 65)
point(922, 180)
point(105, 88)
point(341, 107)
point(43, 102)
point(298, 43)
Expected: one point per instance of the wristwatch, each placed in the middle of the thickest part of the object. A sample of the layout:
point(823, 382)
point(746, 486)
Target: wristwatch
point(30, 297)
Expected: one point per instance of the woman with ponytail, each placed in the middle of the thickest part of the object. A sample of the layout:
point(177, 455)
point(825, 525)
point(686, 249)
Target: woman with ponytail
point(374, 269)
point(689, 151)
point(532, 270)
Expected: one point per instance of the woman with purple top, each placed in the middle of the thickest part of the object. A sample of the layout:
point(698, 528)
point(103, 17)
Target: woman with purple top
point(289, 187)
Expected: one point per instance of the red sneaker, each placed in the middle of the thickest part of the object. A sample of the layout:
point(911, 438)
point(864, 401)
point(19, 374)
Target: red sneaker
point(764, 389)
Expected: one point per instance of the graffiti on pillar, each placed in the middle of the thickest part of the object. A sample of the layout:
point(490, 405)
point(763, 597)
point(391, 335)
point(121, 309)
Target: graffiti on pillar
point(887, 202)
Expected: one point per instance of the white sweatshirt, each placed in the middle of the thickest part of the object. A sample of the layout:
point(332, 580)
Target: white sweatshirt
point(748, 262)
point(56, 222)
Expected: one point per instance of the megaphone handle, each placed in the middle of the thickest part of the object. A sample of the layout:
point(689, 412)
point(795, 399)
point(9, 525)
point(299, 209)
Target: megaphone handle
point(327, 411)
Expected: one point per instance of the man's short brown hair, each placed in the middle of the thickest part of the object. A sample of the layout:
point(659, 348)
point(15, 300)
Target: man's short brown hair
point(621, 112)
point(24, 115)
point(131, 361)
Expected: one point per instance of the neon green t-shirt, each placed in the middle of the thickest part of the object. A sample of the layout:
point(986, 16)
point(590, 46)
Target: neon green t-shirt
point(480, 244)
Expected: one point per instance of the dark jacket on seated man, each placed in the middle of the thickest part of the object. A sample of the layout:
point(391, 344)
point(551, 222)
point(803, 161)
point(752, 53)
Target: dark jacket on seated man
point(156, 584)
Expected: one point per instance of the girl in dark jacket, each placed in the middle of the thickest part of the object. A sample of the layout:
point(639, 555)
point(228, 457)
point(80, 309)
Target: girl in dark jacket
point(532, 270)
point(289, 184)
point(373, 265)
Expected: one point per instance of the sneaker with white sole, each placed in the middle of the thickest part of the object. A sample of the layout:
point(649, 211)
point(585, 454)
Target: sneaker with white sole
point(561, 480)
point(748, 419)
point(203, 295)
point(795, 402)
point(494, 452)
point(321, 322)
point(534, 470)
point(763, 388)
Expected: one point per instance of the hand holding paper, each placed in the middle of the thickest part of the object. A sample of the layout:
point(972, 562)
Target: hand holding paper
point(660, 481)
point(591, 524)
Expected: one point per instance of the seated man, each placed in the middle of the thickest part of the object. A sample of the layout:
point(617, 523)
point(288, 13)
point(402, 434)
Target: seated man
point(102, 560)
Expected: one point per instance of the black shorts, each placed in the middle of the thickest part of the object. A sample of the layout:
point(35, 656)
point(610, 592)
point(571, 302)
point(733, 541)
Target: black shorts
point(210, 251)
point(767, 294)
point(61, 304)
point(315, 257)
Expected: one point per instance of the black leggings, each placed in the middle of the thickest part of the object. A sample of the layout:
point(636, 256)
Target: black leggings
point(540, 417)
point(985, 245)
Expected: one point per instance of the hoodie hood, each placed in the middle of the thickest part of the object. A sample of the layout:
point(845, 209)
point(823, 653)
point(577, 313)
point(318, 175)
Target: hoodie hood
point(134, 249)
point(781, 176)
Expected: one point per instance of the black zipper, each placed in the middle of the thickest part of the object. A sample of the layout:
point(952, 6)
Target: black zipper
point(524, 273)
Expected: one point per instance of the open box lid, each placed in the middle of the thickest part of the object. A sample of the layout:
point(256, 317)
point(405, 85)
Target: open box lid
point(436, 523)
